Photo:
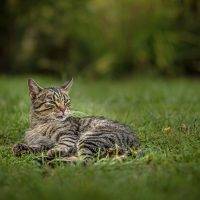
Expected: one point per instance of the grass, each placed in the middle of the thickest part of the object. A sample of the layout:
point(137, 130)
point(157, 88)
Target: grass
point(168, 169)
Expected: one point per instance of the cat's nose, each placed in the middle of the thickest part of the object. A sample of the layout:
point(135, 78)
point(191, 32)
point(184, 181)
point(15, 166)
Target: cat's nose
point(62, 108)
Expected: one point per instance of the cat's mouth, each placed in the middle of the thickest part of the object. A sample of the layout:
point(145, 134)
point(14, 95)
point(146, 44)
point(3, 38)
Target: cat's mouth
point(61, 117)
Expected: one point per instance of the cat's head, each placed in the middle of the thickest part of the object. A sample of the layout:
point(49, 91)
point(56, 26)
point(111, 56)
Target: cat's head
point(51, 102)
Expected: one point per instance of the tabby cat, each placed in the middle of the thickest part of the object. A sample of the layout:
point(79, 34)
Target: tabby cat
point(54, 130)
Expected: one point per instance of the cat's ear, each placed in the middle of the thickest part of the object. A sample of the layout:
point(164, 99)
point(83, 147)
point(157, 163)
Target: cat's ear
point(34, 88)
point(68, 85)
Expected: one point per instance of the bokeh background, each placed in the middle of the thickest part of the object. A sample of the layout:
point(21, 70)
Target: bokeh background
point(134, 61)
point(100, 38)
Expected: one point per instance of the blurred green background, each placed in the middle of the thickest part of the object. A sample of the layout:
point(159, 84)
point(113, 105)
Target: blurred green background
point(100, 38)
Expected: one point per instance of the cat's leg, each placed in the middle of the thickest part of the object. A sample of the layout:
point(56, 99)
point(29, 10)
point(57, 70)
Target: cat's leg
point(97, 145)
point(36, 145)
point(66, 146)
point(90, 148)
point(20, 149)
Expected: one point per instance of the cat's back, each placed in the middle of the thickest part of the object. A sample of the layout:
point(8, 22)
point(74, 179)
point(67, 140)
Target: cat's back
point(102, 123)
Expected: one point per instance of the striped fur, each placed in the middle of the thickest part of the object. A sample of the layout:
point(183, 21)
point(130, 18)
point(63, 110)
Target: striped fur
point(53, 129)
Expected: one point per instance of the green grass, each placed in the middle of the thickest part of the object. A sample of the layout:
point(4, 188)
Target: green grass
point(168, 169)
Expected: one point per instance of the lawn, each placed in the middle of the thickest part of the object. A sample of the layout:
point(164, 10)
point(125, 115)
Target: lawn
point(169, 167)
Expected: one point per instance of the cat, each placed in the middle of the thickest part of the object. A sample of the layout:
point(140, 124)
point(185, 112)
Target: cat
point(55, 130)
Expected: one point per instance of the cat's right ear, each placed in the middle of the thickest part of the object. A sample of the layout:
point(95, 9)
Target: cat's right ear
point(34, 89)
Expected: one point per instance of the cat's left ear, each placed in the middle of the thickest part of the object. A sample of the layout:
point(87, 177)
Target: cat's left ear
point(67, 85)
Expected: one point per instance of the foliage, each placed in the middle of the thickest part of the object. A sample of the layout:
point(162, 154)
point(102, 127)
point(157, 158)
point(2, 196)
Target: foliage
point(100, 37)
point(164, 114)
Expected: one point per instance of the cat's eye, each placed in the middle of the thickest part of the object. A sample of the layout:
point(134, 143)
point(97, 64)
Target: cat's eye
point(67, 102)
point(50, 103)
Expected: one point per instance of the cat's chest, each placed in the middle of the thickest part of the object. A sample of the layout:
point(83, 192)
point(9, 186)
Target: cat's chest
point(50, 128)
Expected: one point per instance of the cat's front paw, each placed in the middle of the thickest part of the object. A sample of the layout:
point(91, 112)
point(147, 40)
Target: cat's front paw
point(57, 152)
point(20, 149)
